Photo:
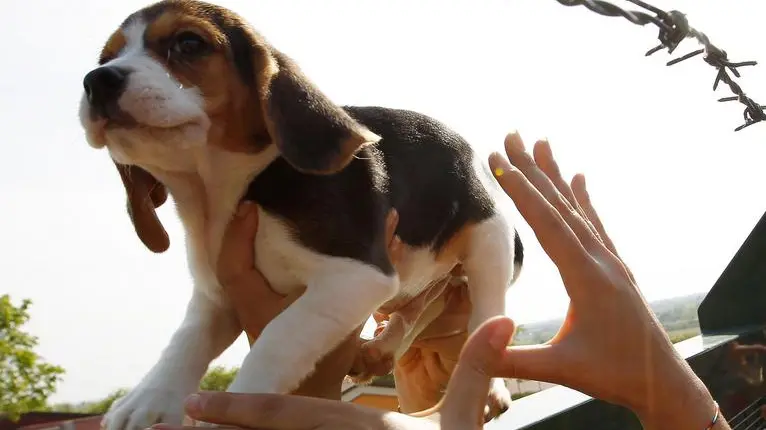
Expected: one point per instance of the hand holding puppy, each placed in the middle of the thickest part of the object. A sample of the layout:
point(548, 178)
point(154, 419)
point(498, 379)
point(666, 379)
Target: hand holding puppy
point(256, 304)
point(610, 345)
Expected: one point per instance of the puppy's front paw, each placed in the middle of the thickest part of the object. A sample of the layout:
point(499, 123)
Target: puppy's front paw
point(498, 399)
point(144, 407)
point(371, 362)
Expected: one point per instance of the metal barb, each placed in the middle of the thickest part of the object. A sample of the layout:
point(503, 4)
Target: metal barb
point(753, 111)
point(674, 28)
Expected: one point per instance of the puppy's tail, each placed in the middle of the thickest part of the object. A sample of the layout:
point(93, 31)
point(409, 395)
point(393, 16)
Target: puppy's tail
point(518, 256)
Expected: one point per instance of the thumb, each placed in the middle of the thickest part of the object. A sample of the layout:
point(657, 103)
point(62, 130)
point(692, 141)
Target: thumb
point(532, 362)
point(463, 403)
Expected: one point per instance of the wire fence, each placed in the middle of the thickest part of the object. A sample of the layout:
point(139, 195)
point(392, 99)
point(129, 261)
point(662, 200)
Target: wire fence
point(674, 28)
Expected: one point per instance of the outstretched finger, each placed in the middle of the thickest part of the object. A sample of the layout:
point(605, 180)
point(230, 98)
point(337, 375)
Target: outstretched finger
point(582, 196)
point(541, 363)
point(522, 160)
point(237, 251)
point(554, 234)
point(544, 158)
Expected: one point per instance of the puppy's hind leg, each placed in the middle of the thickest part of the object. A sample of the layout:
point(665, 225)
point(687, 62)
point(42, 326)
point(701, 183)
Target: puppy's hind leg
point(489, 266)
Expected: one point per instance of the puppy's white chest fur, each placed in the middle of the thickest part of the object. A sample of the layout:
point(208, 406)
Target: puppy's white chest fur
point(206, 200)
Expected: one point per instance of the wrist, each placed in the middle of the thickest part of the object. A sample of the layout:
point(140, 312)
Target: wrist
point(681, 401)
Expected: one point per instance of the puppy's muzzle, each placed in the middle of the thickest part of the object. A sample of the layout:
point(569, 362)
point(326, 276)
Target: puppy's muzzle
point(103, 88)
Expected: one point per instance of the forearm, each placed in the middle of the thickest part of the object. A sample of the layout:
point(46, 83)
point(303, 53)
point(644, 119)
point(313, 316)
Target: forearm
point(697, 415)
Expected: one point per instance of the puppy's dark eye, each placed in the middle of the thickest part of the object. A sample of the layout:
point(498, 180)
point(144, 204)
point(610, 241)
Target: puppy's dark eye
point(189, 44)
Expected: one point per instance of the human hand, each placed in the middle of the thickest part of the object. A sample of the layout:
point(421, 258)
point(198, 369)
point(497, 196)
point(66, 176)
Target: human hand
point(255, 302)
point(423, 371)
point(610, 346)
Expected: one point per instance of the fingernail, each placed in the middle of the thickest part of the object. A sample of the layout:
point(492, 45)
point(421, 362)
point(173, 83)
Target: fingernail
point(503, 165)
point(581, 178)
point(499, 339)
point(514, 140)
point(547, 146)
point(194, 404)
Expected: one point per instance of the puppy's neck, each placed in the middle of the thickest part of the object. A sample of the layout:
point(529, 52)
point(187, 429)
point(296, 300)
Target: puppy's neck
point(206, 198)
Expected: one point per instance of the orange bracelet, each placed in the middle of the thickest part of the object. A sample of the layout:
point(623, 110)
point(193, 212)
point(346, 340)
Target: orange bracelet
point(715, 417)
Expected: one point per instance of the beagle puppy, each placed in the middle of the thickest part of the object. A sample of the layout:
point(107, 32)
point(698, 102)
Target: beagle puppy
point(189, 100)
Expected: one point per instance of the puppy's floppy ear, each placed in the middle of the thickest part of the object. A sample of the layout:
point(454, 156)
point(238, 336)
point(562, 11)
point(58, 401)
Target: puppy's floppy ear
point(145, 194)
point(312, 133)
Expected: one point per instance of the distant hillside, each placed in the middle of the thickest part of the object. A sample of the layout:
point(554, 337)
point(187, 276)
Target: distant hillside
point(677, 315)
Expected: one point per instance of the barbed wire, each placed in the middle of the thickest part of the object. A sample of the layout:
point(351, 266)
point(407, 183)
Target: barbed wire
point(674, 28)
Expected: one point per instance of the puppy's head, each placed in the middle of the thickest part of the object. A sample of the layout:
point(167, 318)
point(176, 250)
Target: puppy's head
point(181, 76)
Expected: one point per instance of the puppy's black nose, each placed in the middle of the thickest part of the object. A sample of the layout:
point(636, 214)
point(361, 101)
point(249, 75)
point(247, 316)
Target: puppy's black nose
point(103, 86)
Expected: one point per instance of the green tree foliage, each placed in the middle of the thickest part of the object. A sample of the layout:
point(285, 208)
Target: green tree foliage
point(103, 405)
point(520, 336)
point(522, 394)
point(682, 335)
point(26, 381)
point(98, 407)
point(218, 378)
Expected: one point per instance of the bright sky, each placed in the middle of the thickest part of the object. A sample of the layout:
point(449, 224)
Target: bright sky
point(678, 189)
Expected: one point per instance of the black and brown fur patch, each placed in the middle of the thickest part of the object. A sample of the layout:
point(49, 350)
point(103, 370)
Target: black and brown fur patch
point(254, 95)
point(420, 167)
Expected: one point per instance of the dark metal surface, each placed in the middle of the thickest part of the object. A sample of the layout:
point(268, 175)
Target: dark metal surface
point(673, 29)
point(730, 365)
point(738, 298)
point(733, 372)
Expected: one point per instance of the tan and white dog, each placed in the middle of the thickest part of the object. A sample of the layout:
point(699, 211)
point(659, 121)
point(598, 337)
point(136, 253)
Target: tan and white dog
point(188, 99)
